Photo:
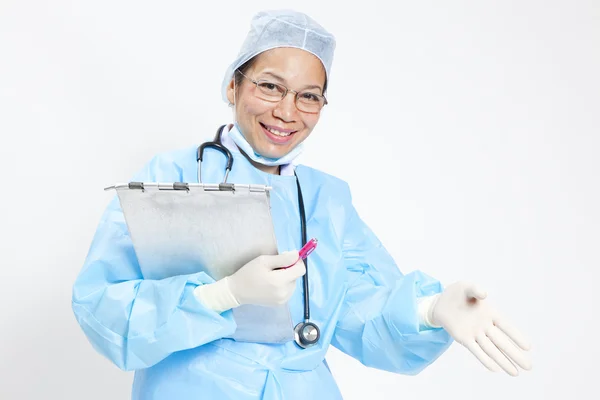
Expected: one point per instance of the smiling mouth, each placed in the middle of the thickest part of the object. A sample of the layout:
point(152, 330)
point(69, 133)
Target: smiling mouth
point(277, 132)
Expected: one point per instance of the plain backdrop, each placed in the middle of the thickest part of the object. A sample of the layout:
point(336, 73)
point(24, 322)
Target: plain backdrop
point(468, 131)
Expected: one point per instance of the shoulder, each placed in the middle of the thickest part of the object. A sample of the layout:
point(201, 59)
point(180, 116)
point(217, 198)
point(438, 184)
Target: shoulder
point(322, 181)
point(329, 198)
point(320, 176)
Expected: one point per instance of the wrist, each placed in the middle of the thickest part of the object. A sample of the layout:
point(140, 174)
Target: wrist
point(217, 296)
point(425, 309)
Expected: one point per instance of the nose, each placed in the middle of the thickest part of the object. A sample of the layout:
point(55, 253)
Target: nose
point(286, 108)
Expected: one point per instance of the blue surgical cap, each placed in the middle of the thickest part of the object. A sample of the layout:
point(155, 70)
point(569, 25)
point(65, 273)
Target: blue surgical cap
point(283, 28)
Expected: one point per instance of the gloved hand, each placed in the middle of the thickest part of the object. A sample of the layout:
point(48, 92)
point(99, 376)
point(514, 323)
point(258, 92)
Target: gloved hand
point(259, 282)
point(464, 313)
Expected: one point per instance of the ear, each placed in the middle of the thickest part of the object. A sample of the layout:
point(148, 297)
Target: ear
point(230, 91)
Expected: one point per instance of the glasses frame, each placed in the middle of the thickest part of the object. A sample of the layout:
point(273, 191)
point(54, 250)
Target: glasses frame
point(287, 90)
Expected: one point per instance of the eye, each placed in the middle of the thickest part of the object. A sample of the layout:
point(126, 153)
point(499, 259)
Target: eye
point(310, 97)
point(269, 87)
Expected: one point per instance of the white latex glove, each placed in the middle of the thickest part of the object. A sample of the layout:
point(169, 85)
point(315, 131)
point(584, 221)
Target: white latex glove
point(258, 282)
point(464, 313)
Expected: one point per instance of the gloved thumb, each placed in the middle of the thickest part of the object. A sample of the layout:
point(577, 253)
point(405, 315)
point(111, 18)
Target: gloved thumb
point(475, 292)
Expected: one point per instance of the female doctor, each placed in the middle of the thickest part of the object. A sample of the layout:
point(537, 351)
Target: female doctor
point(174, 332)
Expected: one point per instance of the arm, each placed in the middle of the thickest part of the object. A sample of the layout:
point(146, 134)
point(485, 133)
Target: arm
point(381, 322)
point(137, 322)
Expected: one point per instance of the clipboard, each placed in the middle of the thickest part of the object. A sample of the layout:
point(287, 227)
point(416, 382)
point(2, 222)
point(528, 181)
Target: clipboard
point(185, 228)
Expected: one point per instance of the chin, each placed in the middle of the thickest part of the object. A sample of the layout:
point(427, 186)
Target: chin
point(267, 149)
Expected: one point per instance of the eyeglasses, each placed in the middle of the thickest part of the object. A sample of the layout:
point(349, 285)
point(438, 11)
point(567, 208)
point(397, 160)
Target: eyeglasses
point(306, 101)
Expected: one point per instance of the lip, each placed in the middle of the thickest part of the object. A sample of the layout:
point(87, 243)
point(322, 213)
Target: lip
point(274, 138)
point(277, 128)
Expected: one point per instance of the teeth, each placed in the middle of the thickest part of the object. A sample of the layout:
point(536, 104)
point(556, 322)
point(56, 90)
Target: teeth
point(276, 132)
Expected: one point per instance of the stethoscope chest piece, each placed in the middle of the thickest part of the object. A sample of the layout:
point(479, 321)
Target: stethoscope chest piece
point(306, 334)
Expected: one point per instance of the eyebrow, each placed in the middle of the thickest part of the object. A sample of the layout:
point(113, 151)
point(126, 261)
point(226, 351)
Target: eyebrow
point(280, 78)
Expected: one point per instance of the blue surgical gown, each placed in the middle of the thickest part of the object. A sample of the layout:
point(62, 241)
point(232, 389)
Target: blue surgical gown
point(359, 298)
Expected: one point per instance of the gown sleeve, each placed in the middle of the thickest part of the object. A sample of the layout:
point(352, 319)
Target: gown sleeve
point(132, 321)
point(380, 324)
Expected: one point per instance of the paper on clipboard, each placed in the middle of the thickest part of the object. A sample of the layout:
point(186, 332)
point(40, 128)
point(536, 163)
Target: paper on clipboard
point(180, 228)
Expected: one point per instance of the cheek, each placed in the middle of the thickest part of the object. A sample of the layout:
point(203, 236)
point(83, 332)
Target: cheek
point(254, 107)
point(311, 121)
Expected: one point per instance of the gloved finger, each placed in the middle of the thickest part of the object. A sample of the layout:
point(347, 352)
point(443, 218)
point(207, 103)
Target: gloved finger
point(289, 290)
point(294, 272)
point(487, 362)
point(282, 293)
point(282, 260)
point(476, 292)
point(513, 333)
point(510, 350)
point(495, 354)
point(291, 287)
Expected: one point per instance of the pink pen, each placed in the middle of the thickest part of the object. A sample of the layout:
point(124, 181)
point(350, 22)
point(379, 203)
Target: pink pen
point(308, 248)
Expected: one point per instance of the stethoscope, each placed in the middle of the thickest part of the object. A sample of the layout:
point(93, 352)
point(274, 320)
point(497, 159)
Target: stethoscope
point(306, 333)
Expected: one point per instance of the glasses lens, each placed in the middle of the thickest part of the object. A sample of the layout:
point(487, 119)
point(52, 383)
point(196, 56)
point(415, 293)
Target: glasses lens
point(270, 91)
point(310, 102)
point(306, 101)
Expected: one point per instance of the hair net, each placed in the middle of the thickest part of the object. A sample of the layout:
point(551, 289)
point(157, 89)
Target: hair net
point(283, 28)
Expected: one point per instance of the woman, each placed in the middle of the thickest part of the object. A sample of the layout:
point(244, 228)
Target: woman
point(173, 332)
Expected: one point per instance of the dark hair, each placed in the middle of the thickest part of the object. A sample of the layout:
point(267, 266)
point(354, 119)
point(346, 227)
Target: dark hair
point(247, 65)
point(243, 69)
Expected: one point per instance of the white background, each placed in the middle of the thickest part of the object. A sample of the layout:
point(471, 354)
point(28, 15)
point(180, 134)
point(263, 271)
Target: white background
point(468, 131)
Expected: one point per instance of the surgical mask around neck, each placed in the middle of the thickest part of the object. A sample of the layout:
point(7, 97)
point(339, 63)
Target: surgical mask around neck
point(239, 139)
